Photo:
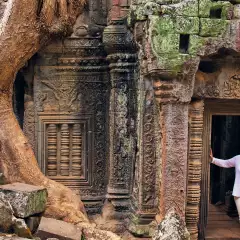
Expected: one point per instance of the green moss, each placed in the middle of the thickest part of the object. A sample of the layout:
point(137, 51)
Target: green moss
point(204, 8)
point(168, 43)
point(189, 17)
point(212, 27)
point(163, 25)
point(196, 43)
point(189, 8)
point(187, 25)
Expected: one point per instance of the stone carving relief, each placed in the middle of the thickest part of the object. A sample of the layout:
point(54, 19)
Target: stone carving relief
point(149, 169)
point(145, 197)
point(194, 167)
point(223, 84)
point(72, 114)
point(92, 21)
point(174, 129)
point(232, 87)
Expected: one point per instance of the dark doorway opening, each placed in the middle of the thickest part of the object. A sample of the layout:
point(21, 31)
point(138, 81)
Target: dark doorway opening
point(18, 98)
point(222, 213)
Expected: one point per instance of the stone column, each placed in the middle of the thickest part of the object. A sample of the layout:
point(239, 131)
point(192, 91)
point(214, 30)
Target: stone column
point(122, 61)
point(174, 129)
point(145, 183)
point(173, 124)
point(196, 110)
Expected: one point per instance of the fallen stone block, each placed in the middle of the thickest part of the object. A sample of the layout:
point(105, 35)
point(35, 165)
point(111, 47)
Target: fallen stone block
point(172, 227)
point(26, 200)
point(6, 214)
point(52, 228)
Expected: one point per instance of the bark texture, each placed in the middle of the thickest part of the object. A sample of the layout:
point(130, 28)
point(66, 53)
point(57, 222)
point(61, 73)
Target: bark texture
point(25, 26)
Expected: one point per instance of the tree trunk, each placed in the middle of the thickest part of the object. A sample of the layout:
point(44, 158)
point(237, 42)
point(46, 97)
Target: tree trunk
point(25, 26)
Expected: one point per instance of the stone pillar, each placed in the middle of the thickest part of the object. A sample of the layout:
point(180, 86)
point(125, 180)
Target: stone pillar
point(196, 110)
point(173, 124)
point(145, 182)
point(174, 144)
point(122, 61)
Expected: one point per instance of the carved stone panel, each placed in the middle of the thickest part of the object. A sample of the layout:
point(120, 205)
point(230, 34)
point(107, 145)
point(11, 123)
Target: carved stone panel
point(71, 118)
point(223, 84)
point(64, 152)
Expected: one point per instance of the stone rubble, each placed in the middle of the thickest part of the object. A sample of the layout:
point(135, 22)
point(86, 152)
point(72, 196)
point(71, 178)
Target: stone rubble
point(21, 208)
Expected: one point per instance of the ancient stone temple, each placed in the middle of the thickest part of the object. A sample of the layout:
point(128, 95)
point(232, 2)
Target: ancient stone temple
point(126, 109)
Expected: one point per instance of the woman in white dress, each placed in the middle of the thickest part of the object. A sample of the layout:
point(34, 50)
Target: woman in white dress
point(233, 162)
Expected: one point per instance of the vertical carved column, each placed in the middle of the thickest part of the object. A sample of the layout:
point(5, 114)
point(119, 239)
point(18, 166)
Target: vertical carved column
point(196, 110)
point(65, 141)
point(52, 150)
point(76, 150)
point(174, 146)
point(144, 196)
point(118, 44)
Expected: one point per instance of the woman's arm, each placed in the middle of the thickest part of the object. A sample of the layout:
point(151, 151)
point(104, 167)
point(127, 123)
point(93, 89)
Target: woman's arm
point(224, 163)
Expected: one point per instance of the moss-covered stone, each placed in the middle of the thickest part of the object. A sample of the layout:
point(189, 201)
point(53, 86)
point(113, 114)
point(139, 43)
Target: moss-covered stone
point(187, 25)
point(163, 24)
point(168, 43)
point(201, 20)
point(212, 27)
point(204, 8)
point(196, 43)
point(189, 8)
point(173, 62)
point(26, 200)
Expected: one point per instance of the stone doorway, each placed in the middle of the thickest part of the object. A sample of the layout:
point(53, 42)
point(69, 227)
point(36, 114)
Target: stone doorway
point(221, 124)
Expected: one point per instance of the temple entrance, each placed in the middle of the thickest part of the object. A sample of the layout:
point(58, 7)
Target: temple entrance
point(222, 213)
point(218, 214)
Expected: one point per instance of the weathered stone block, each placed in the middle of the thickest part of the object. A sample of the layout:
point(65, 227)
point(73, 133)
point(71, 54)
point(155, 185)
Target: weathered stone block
point(166, 44)
point(212, 27)
point(163, 25)
point(187, 25)
point(52, 228)
point(196, 44)
point(6, 214)
point(204, 8)
point(172, 228)
point(26, 200)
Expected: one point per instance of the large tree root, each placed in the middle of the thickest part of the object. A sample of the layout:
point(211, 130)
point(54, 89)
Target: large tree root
point(18, 164)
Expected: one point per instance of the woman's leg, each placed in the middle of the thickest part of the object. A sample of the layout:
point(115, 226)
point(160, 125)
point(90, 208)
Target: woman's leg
point(237, 201)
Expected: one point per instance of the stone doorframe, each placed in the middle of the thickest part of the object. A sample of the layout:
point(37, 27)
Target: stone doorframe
point(200, 126)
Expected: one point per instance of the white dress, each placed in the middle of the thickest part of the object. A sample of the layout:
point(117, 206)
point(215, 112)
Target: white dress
point(233, 162)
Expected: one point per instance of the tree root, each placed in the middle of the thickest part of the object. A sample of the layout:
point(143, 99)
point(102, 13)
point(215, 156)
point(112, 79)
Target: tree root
point(18, 164)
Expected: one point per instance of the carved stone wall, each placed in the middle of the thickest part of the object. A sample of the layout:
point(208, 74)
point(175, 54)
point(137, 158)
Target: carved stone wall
point(194, 166)
point(71, 96)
